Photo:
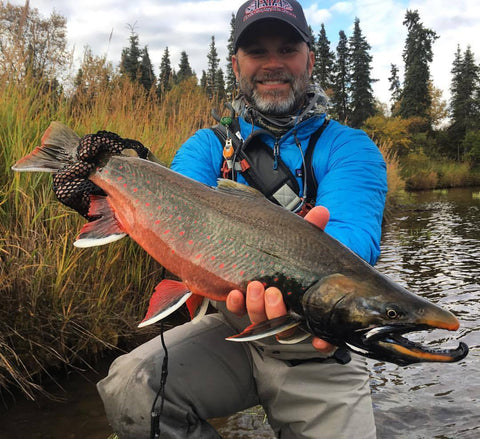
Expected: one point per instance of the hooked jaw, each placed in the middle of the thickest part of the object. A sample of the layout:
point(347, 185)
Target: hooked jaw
point(372, 319)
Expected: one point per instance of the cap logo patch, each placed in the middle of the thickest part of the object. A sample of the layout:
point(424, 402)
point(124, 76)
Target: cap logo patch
point(261, 6)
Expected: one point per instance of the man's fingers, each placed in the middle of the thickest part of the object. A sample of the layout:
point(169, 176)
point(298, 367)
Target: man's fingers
point(236, 303)
point(319, 216)
point(274, 304)
point(255, 301)
point(322, 345)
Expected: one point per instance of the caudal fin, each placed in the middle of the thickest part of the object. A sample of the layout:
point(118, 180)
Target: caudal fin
point(58, 148)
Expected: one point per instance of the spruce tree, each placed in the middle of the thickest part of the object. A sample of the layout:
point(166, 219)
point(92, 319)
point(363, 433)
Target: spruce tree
point(464, 105)
point(184, 69)
point(362, 101)
point(417, 56)
point(395, 89)
point(213, 62)
point(230, 79)
point(165, 76)
point(147, 76)
point(323, 71)
point(130, 65)
point(220, 91)
point(340, 99)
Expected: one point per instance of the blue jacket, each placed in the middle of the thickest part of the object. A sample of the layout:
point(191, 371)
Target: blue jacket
point(348, 166)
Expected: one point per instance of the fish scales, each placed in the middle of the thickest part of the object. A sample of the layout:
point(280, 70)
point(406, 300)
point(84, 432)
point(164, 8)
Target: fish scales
point(206, 232)
point(216, 240)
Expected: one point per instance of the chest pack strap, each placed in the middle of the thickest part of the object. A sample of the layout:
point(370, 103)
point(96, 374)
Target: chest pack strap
point(263, 168)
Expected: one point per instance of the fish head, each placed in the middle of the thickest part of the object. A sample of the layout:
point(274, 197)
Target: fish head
point(371, 315)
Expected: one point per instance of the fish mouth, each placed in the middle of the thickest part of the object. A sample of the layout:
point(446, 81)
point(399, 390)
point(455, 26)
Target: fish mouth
point(389, 343)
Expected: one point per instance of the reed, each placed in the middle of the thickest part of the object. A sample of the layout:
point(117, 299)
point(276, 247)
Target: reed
point(61, 305)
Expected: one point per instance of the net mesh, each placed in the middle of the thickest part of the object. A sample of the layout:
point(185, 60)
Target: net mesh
point(71, 184)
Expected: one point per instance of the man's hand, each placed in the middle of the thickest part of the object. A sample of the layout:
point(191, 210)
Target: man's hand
point(262, 304)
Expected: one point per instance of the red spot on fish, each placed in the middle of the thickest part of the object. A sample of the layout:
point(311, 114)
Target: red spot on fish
point(125, 184)
point(182, 233)
point(190, 242)
point(234, 266)
point(166, 232)
point(289, 293)
point(119, 178)
point(253, 263)
point(147, 204)
point(159, 207)
point(276, 279)
point(157, 222)
point(198, 256)
point(220, 241)
point(179, 218)
point(120, 167)
point(208, 237)
point(221, 265)
point(135, 189)
point(242, 273)
point(212, 258)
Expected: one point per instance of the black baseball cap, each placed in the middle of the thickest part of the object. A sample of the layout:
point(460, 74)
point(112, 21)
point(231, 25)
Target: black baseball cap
point(287, 11)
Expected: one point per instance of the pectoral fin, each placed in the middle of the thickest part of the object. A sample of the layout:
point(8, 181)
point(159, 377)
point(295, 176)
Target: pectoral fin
point(267, 328)
point(169, 295)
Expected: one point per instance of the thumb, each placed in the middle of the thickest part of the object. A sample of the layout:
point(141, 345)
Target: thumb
point(318, 216)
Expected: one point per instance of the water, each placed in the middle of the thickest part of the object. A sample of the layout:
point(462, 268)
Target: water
point(432, 247)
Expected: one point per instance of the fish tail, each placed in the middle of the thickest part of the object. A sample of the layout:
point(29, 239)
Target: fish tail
point(58, 148)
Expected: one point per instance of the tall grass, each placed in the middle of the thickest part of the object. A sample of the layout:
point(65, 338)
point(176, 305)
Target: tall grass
point(61, 305)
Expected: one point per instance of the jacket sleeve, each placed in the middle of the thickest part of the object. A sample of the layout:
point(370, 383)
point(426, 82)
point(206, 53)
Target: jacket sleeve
point(200, 157)
point(353, 188)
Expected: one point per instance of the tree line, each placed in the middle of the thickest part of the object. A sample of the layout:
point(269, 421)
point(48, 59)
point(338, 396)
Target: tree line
point(32, 43)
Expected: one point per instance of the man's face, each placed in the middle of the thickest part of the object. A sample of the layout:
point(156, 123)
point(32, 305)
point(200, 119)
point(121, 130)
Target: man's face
point(273, 72)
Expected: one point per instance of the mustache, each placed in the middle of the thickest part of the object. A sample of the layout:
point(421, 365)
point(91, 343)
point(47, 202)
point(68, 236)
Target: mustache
point(274, 76)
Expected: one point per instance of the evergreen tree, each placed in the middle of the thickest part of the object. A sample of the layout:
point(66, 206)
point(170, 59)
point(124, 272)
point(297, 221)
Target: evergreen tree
point(417, 56)
point(220, 91)
point(362, 101)
point(340, 99)
point(395, 89)
point(203, 80)
point(130, 65)
point(147, 76)
point(165, 76)
point(464, 105)
point(184, 69)
point(213, 62)
point(230, 79)
point(323, 71)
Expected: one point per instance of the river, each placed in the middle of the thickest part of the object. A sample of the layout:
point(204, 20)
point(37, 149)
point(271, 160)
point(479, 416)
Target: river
point(431, 245)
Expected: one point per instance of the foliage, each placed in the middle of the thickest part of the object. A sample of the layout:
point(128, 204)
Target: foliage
point(30, 44)
point(362, 102)
point(340, 98)
point(417, 56)
point(323, 72)
point(393, 131)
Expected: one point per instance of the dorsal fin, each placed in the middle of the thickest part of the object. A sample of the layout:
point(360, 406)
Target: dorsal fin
point(231, 186)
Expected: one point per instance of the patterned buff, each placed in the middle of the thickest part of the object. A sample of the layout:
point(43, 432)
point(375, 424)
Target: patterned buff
point(316, 105)
point(71, 184)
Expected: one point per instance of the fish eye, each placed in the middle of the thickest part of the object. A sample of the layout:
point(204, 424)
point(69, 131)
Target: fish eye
point(392, 314)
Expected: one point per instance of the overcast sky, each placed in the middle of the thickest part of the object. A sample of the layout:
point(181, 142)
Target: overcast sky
point(104, 26)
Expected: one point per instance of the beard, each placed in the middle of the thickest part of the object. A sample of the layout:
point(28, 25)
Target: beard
point(275, 102)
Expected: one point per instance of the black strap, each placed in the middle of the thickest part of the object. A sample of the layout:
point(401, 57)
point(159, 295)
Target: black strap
point(312, 184)
point(260, 158)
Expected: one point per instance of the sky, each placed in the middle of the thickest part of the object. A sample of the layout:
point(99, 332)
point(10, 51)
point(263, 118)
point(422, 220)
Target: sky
point(105, 26)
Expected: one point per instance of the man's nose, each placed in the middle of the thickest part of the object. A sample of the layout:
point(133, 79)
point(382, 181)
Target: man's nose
point(273, 61)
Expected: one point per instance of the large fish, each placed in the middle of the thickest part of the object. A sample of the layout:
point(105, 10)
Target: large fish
point(219, 239)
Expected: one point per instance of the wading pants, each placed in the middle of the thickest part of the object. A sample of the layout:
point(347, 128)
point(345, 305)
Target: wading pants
point(209, 377)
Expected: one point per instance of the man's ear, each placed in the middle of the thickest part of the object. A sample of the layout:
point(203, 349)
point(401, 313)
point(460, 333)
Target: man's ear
point(311, 61)
point(235, 67)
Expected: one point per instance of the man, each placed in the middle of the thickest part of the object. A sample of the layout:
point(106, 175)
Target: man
point(306, 393)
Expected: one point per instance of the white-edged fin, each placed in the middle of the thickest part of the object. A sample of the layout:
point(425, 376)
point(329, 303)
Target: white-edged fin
point(169, 295)
point(267, 328)
point(58, 147)
point(201, 311)
point(357, 350)
point(298, 336)
point(104, 230)
point(95, 242)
